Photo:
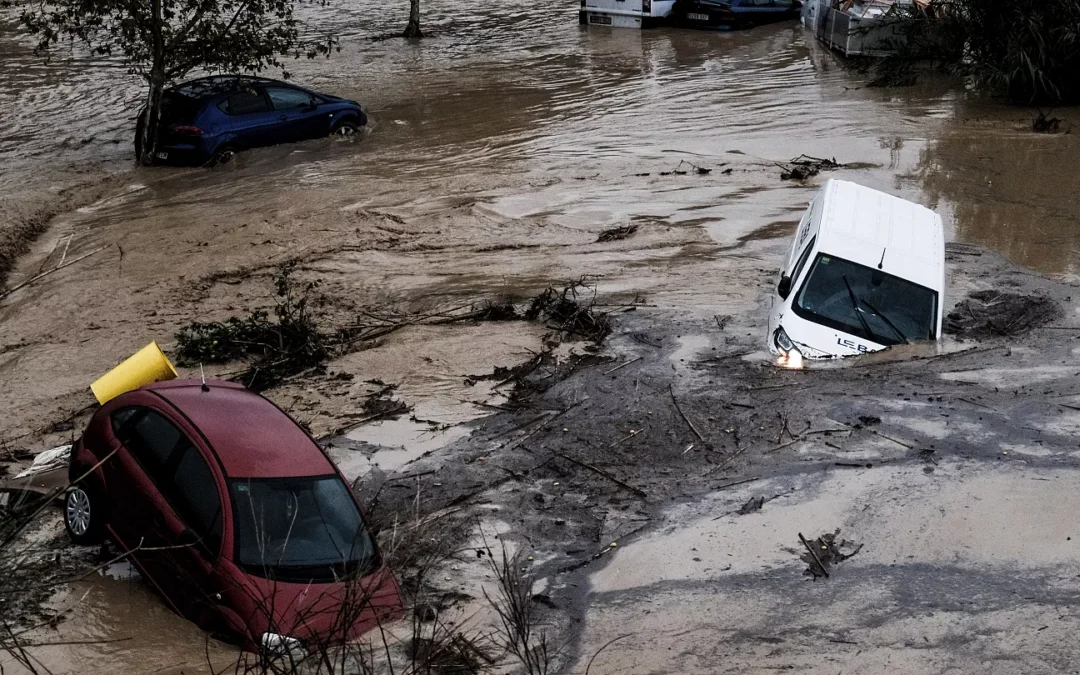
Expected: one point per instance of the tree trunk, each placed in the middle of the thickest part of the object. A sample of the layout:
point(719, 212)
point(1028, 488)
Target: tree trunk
point(152, 114)
point(148, 121)
point(413, 29)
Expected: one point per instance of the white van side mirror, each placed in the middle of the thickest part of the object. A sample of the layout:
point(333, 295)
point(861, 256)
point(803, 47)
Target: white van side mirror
point(783, 289)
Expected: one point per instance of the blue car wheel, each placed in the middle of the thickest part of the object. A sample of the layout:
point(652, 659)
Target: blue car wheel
point(222, 155)
point(345, 127)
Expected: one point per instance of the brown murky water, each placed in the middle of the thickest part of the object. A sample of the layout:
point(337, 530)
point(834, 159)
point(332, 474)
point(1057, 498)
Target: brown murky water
point(518, 88)
point(498, 150)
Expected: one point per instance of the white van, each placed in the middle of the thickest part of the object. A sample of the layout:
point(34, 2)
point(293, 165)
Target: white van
point(624, 13)
point(866, 271)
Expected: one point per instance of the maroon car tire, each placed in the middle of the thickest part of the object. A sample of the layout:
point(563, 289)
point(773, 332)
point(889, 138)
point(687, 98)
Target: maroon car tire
point(83, 515)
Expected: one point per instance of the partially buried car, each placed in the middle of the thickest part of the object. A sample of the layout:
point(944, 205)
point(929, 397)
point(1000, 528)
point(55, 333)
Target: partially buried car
point(209, 120)
point(865, 271)
point(233, 513)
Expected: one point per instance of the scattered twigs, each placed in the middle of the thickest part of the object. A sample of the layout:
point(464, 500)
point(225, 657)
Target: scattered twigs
point(671, 390)
point(543, 425)
point(814, 555)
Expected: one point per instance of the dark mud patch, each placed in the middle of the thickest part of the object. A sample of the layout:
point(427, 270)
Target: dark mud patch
point(986, 314)
point(822, 554)
point(774, 230)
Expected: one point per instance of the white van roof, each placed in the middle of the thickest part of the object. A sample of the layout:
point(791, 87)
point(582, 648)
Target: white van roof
point(859, 224)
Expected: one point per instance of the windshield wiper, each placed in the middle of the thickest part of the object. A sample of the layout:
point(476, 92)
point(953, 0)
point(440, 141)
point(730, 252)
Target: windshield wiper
point(858, 312)
point(888, 322)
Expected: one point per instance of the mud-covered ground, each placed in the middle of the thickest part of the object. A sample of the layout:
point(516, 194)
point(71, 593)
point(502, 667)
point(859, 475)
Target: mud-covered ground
point(954, 475)
point(500, 154)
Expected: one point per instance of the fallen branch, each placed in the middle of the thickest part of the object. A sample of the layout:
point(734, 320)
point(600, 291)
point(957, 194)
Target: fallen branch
point(620, 367)
point(738, 482)
point(671, 390)
point(814, 554)
point(606, 645)
point(55, 269)
point(605, 474)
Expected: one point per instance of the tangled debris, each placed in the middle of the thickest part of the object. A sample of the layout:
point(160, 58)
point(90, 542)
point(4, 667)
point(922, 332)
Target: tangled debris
point(805, 166)
point(292, 343)
point(1044, 124)
point(823, 553)
point(680, 171)
point(616, 233)
point(566, 313)
point(285, 346)
point(991, 313)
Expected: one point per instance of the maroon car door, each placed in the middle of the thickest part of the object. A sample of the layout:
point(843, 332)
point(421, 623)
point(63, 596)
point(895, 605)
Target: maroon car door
point(129, 483)
point(167, 507)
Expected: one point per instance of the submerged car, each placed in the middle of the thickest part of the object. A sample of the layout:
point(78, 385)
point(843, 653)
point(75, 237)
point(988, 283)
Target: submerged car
point(209, 120)
point(730, 14)
point(866, 271)
point(232, 512)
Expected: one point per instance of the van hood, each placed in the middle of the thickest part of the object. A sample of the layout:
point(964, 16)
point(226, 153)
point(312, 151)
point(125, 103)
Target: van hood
point(818, 342)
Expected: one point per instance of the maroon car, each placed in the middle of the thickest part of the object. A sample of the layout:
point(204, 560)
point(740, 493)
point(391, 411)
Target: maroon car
point(232, 512)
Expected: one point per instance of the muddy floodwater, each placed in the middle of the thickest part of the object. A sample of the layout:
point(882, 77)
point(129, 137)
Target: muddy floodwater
point(498, 151)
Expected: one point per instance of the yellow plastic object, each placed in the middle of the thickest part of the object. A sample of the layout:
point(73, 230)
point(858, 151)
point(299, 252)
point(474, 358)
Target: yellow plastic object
point(147, 365)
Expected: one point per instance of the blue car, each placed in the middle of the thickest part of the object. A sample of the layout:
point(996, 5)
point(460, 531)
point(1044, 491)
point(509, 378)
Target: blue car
point(732, 14)
point(208, 120)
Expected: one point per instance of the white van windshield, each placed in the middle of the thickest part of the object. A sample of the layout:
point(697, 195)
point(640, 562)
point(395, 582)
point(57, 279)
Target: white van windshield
point(866, 302)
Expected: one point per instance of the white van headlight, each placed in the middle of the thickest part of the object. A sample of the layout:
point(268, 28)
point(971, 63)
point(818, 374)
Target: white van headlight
point(783, 341)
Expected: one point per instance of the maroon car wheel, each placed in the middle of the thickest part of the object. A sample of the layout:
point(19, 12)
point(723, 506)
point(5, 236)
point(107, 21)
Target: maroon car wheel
point(82, 515)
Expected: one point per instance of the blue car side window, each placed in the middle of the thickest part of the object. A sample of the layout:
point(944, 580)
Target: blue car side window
point(245, 102)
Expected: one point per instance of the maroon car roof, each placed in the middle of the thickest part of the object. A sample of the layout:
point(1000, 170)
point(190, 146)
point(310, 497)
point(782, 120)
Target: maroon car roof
point(251, 436)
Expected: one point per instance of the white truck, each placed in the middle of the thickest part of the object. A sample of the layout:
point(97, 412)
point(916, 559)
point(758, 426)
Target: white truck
point(866, 271)
point(624, 13)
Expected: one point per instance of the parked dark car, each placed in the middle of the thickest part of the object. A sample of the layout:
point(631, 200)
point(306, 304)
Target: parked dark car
point(232, 512)
point(207, 121)
point(732, 14)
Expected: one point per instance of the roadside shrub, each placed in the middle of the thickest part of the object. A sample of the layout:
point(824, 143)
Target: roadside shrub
point(1027, 51)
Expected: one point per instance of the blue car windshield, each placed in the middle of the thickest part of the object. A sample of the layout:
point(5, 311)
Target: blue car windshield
point(866, 302)
point(299, 529)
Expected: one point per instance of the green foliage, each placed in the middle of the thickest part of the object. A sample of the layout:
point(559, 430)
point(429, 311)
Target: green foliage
point(1025, 50)
point(275, 349)
point(183, 35)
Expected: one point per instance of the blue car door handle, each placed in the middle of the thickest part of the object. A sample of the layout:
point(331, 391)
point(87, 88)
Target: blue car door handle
point(283, 118)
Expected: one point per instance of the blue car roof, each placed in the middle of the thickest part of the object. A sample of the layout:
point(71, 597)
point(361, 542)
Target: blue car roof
point(219, 84)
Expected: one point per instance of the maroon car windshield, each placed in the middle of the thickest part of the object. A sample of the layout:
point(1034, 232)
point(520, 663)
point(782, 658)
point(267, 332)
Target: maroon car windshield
point(300, 529)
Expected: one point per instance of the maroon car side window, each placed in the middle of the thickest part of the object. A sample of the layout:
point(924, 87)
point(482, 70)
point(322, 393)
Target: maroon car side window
point(178, 470)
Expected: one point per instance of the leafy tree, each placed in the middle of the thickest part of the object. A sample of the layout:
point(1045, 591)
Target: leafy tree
point(165, 40)
point(1027, 51)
